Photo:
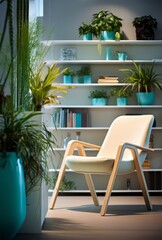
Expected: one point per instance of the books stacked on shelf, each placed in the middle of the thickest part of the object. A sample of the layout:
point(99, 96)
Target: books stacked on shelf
point(108, 79)
point(66, 117)
point(146, 164)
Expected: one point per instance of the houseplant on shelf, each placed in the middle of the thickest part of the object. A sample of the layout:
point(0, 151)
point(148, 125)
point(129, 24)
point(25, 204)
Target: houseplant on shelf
point(87, 31)
point(145, 26)
point(143, 80)
point(106, 25)
point(121, 94)
point(84, 74)
point(68, 75)
point(99, 97)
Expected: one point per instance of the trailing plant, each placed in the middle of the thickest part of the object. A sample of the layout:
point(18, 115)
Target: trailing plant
point(142, 78)
point(98, 94)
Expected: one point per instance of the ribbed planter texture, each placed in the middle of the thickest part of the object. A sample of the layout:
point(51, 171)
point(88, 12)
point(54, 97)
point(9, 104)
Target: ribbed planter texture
point(68, 79)
point(12, 195)
point(145, 98)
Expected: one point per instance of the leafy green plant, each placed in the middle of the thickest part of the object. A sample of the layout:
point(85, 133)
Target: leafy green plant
point(86, 28)
point(145, 26)
point(142, 78)
point(98, 94)
point(43, 85)
point(106, 21)
point(69, 72)
point(121, 92)
point(21, 133)
point(85, 70)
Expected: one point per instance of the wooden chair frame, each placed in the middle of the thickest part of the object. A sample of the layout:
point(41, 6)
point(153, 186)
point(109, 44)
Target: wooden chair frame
point(79, 145)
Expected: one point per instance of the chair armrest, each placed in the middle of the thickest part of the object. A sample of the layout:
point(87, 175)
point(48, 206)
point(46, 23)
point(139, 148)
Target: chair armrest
point(134, 146)
point(84, 144)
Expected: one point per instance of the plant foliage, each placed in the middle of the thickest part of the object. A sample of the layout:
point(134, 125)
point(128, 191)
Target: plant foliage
point(142, 78)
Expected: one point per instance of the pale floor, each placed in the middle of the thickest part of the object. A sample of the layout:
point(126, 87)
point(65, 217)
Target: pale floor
point(76, 218)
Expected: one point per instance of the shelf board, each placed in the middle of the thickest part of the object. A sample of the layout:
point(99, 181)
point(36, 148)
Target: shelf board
point(88, 128)
point(144, 170)
point(49, 62)
point(49, 106)
point(102, 42)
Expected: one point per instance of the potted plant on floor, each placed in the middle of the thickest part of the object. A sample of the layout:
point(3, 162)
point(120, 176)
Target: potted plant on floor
point(143, 80)
point(145, 26)
point(99, 97)
point(121, 95)
point(106, 25)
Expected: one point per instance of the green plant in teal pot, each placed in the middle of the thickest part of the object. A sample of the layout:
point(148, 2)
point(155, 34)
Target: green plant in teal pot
point(99, 97)
point(143, 80)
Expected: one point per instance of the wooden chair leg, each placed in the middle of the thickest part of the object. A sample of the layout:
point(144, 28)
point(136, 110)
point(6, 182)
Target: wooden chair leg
point(69, 151)
point(89, 180)
point(142, 182)
point(111, 182)
point(92, 189)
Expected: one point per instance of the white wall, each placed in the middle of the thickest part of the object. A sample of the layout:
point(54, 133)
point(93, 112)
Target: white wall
point(63, 17)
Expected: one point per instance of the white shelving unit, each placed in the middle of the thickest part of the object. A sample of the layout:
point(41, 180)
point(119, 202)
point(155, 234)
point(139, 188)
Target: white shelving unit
point(100, 117)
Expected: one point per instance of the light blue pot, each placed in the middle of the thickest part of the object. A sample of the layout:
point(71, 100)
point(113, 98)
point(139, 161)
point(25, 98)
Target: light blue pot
point(145, 98)
point(87, 36)
point(68, 79)
point(107, 35)
point(99, 101)
point(122, 101)
point(12, 195)
point(87, 79)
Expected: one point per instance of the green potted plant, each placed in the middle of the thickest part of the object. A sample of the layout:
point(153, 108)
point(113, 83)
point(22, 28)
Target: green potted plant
point(87, 31)
point(121, 94)
point(145, 26)
point(99, 97)
point(106, 25)
point(142, 79)
point(84, 74)
point(68, 75)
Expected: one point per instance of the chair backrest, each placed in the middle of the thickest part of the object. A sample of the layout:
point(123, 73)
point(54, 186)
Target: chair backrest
point(135, 129)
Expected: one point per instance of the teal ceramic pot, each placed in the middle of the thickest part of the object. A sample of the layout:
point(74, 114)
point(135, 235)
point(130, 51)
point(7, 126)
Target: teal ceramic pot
point(107, 35)
point(145, 98)
point(87, 36)
point(68, 79)
point(87, 79)
point(122, 101)
point(80, 79)
point(12, 195)
point(99, 101)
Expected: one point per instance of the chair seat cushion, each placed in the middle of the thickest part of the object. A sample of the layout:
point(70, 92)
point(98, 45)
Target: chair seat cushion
point(98, 165)
point(89, 164)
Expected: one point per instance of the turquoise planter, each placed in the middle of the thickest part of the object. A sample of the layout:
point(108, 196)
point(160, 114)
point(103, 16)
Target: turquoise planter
point(87, 36)
point(68, 79)
point(87, 79)
point(107, 35)
point(122, 101)
point(99, 101)
point(12, 196)
point(145, 98)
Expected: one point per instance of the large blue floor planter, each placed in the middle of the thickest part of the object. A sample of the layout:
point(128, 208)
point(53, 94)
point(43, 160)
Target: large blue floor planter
point(145, 98)
point(12, 196)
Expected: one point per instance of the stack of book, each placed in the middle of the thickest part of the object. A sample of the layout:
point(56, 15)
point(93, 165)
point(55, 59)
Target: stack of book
point(108, 80)
point(66, 117)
